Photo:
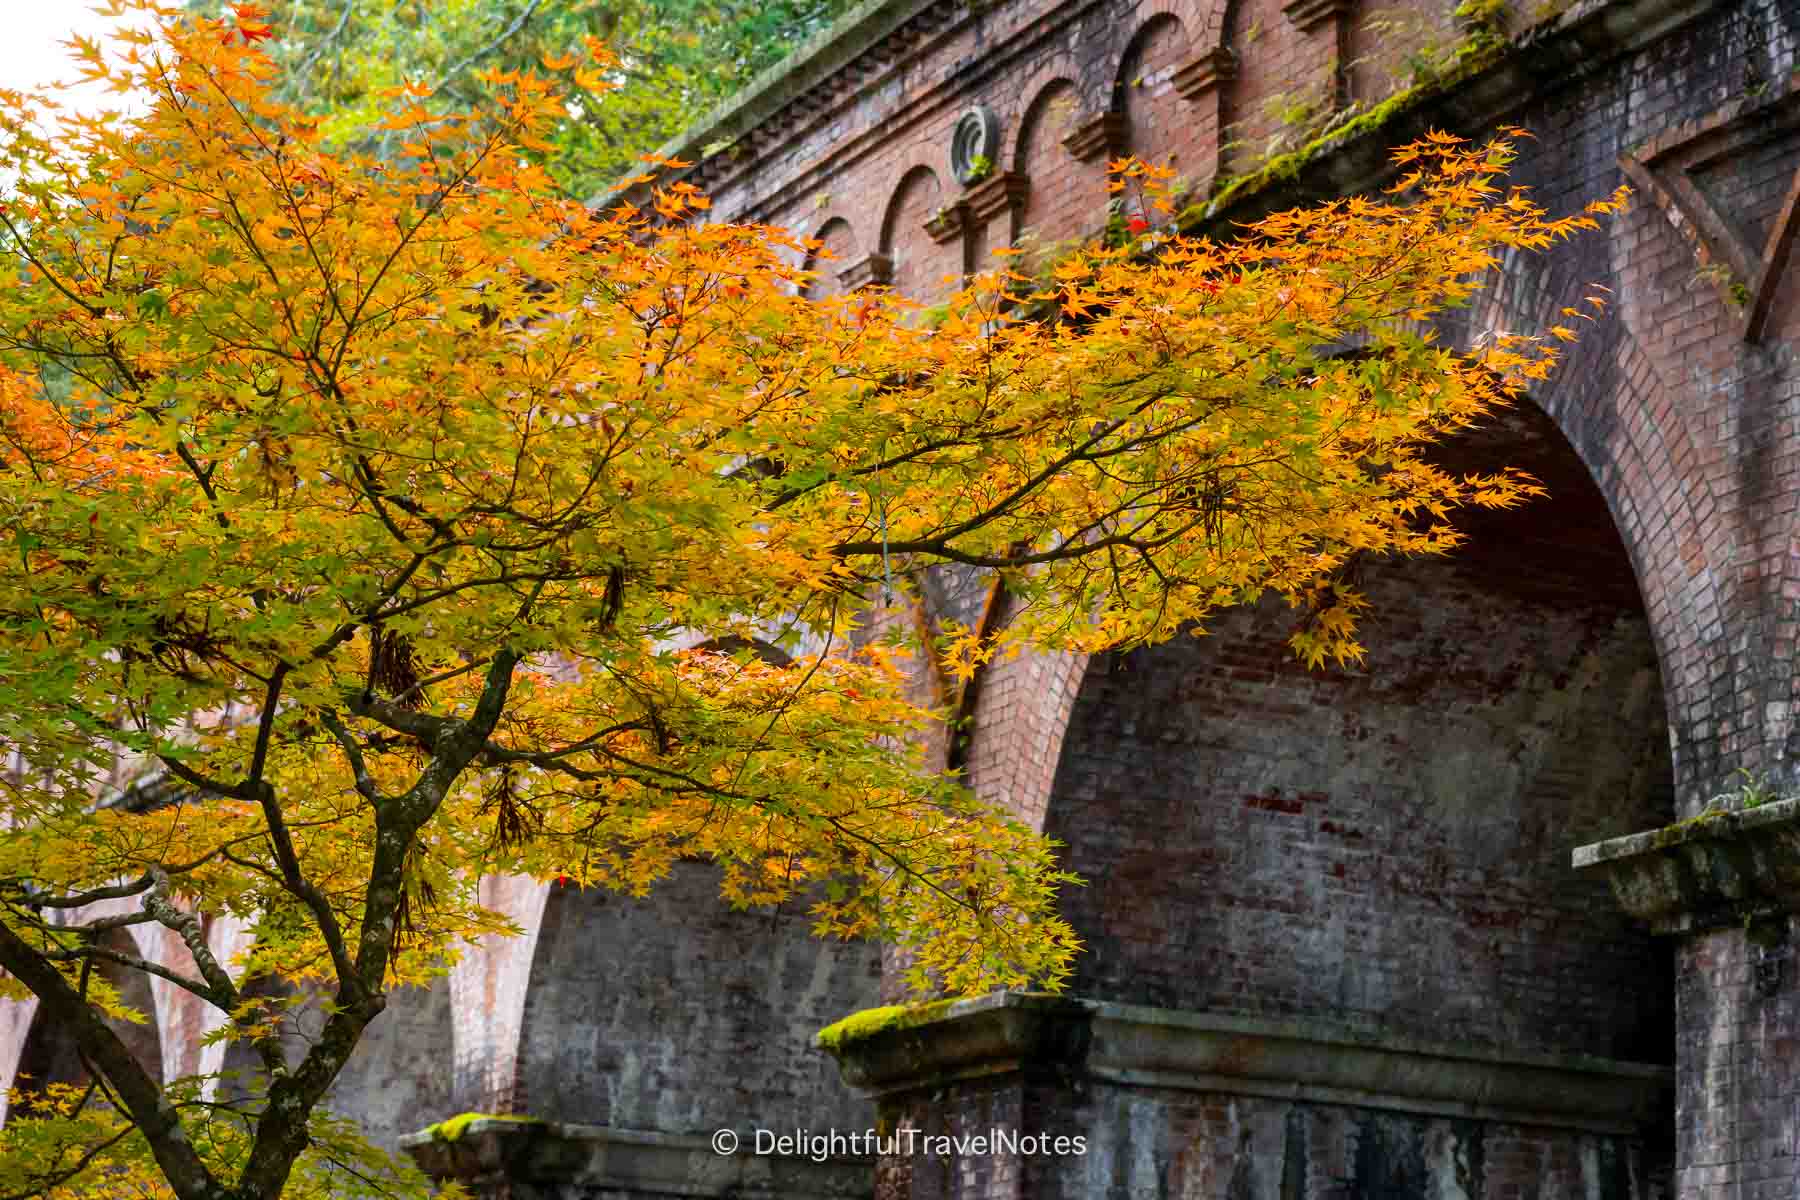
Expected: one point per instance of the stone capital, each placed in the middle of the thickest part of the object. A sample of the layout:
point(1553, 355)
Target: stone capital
point(1710, 871)
point(947, 223)
point(1205, 73)
point(998, 193)
point(1096, 136)
point(510, 1156)
point(1308, 15)
point(1121, 1045)
point(869, 271)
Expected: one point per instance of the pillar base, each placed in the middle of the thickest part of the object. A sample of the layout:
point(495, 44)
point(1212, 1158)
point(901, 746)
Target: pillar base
point(524, 1159)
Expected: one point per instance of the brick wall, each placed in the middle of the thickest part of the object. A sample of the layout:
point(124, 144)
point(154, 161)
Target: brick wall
point(1388, 843)
point(1737, 1115)
point(678, 1015)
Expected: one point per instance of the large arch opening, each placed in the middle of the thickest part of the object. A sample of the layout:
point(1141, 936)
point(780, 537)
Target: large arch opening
point(1349, 891)
point(1388, 845)
point(50, 1054)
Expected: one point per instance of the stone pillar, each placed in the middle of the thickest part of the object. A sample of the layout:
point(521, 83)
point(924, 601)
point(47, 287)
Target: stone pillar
point(1025, 1097)
point(1725, 884)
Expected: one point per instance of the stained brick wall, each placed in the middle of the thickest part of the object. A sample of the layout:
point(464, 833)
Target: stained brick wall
point(677, 1015)
point(1737, 1115)
point(1241, 1148)
point(1388, 843)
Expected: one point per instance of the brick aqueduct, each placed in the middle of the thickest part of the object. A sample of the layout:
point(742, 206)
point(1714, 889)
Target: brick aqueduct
point(1337, 945)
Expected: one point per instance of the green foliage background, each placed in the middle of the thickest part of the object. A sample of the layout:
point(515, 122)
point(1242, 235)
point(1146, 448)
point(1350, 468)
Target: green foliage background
point(678, 59)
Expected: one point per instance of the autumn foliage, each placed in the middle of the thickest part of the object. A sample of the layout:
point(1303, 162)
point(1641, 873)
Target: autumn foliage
point(380, 506)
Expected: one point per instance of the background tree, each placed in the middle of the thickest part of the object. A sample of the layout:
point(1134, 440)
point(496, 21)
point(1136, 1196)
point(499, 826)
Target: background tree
point(675, 60)
point(379, 492)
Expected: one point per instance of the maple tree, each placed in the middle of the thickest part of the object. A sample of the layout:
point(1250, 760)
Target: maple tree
point(372, 501)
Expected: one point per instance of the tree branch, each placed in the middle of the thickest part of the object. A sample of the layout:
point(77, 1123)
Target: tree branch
point(141, 1097)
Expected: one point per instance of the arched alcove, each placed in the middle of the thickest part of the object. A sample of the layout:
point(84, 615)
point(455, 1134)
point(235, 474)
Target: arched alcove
point(837, 250)
point(1278, 90)
point(1067, 196)
point(1387, 846)
point(1392, 48)
point(919, 264)
point(675, 1014)
point(1160, 126)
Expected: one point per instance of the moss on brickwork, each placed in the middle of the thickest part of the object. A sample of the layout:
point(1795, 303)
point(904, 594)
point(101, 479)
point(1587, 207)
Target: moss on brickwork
point(1474, 54)
point(859, 1026)
point(451, 1129)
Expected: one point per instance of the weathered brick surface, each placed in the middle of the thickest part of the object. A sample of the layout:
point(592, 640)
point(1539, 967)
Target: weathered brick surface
point(1149, 1142)
point(1739, 1073)
point(676, 1015)
point(1386, 845)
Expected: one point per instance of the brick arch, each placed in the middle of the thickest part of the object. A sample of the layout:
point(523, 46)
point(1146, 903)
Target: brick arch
point(838, 238)
point(1067, 196)
point(1060, 69)
point(919, 263)
point(1271, 58)
point(16, 1018)
point(1017, 733)
point(166, 1006)
point(1621, 415)
point(1387, 845)
point(1193, 14)
point(227, 937)
point(488, 987)
point(46, 1052)
point(1212, 23)
point(1159, 125)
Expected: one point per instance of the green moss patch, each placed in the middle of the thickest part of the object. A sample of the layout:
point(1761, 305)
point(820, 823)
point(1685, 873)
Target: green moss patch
point(859, 1026)
point(1471, 56)
point(451, 1129)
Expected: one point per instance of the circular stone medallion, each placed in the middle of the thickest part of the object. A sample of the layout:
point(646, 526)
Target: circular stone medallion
point(974, 145)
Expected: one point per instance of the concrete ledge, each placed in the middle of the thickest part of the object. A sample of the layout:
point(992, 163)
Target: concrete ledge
point(1716, 869)
point(523, 1159)
point(1314, 1061)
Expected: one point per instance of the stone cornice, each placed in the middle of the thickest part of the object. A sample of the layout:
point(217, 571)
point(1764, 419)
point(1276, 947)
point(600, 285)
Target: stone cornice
point(1584, 38)
point(1103, 134)
point(1717, 869)
point(1126, 1045)
point(1205, 73)
point(869, 271)
point(998, 193)
point(491, 1154)
point(1307, 15)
